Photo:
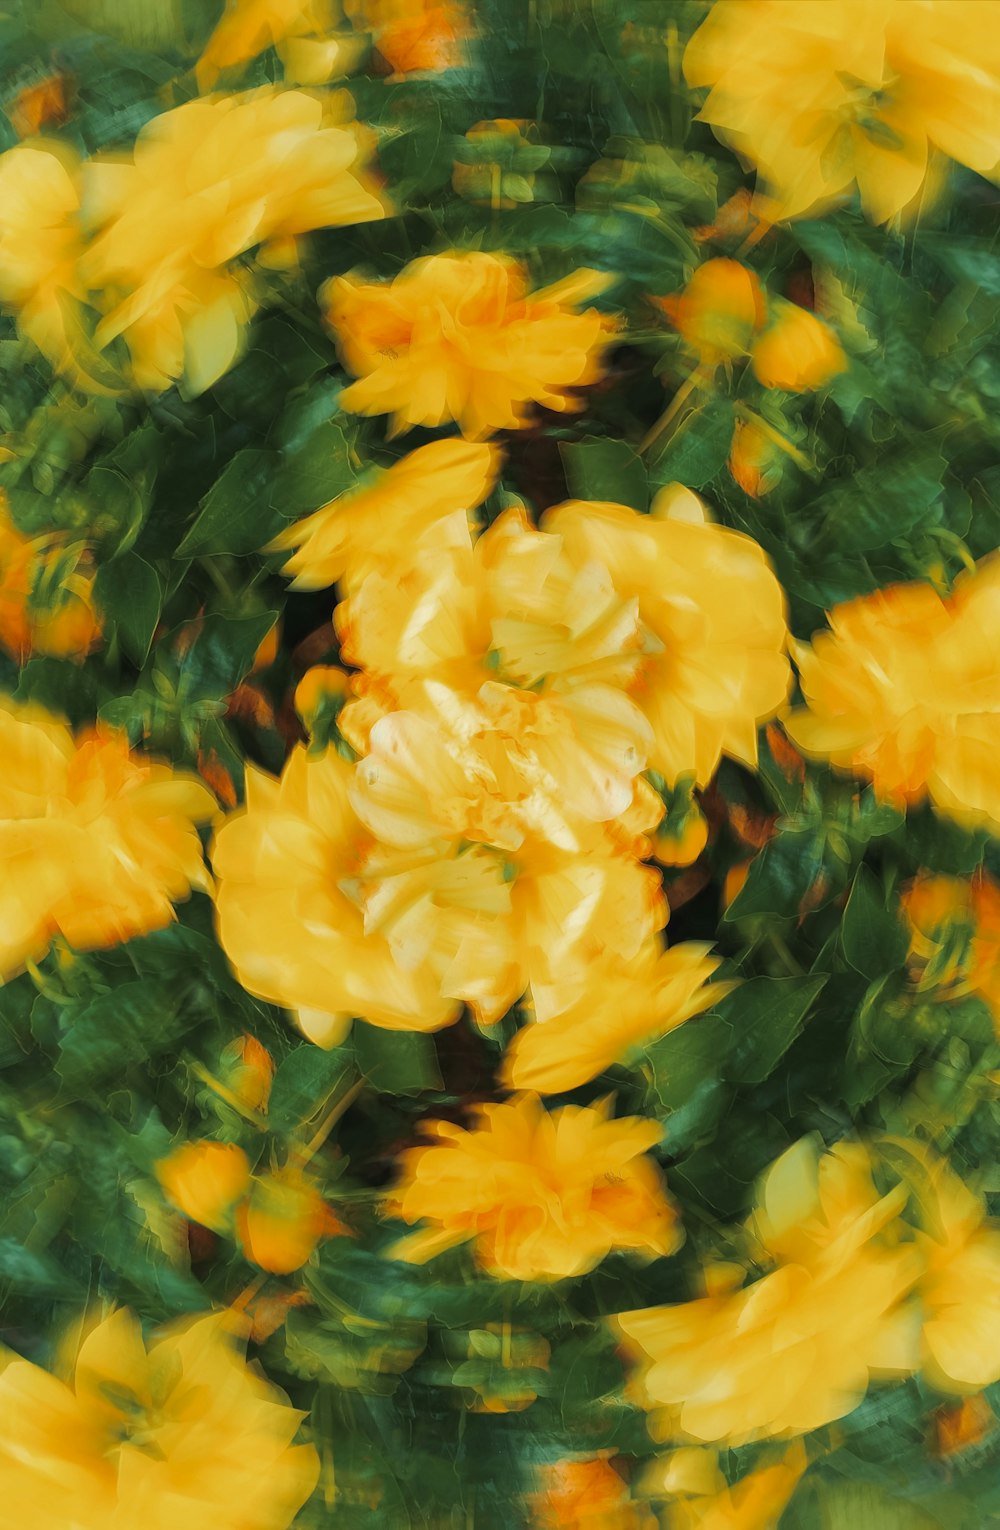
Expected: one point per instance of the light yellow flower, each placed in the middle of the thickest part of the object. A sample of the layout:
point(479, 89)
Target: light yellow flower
point(823, 98)
point(699, 1498)
point(40, 243)
point(904, 691)
point(207, 182)
point(302, 32)
point(617, 1008)
point(287, 864)
point(545, 1195)
point(797, 351)
point(713, 621)
point(96, 842)
point(955, 935)
point(795, 1349)
point(204, 1180)
point(458, 336)
point(46, 594)
point(382, 524)
point(179, 1431)
point(960, 1287)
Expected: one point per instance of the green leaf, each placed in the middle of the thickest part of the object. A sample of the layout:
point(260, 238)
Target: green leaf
point(221, 654)
point(130, 594)
point(304, 1082)
point(237, 514)
point(130, 1024)
point(766, 1016)
point(698, 449)
point(873, 936)
point(603, 469)
point(313, 471)
point(396, 1062)
point(791, 866)
point(685, 1089)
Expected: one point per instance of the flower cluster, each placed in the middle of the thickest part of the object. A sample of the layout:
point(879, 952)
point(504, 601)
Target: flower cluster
point(852, 1292)
point(152, 243)
point(489, 842)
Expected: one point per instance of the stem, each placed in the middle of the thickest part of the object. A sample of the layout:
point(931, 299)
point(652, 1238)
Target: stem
point(334, 1114)
point(690, 385)
point(751, 417)
point(225, 1093)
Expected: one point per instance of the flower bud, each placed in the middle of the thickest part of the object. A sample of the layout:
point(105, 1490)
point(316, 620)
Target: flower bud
point(719, 310)
point(282, 1220)
point(204, 1180)
point(797, 352)
point(679, 844)
point(754, 460)
point(248, 1070)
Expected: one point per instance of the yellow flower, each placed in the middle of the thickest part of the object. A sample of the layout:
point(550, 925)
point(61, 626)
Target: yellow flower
point(415, 36)
point(955, 935)
point(459, 337)
point(379, 526)
point(282, 1220)
point(904, 690)
point(293, 934)
point(699, 1497)
point(545, 1195)
point(585, 1494)
point(46, 594)
point(40, 242)
point(204, 1180)
point(960, 1287)
point(181, 1431)
point(823, 98)
point(797, 351)
point(96, 842)
point(718, 313)
point(795, 1349)
point(681, 844)
point(490, 885)
point(617, 1009)
point(713, 618)
point(302, 32)
point(248, 1069)
point(207, 182)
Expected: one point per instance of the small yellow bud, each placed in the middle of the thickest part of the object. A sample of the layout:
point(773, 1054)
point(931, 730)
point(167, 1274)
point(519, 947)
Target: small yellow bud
point(282, 1220)
point(248, 1070)
point(797, 352)
point(204, 1180)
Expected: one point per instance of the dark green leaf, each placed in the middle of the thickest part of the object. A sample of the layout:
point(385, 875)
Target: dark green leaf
point(873, 935)
point(766, 1016)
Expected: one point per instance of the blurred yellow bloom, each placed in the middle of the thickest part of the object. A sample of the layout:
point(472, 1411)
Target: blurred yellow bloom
point(459, 337)
point(960, 1287)
point(96, 842)
point(713, 666)
point(797, 351)
point(179, 1432)
point(545, 1195)
point(248, 1069)
point(302, 32)
point(955, 935)
point(497, 164)
point(718, 313)
point(46, 594)
point(207, 182)
point(487, 881)
point(904, 691)
point(681, 845)
point(282, 1220)
point(286, 863)
point(699, 1497)
point(618, 1008)
point(204, 1180)
point(415, 36)
point(40, 243)
point(586, 1494)
point(795, 1349)
point(963, 1426)
point(823, 98)
point(379, 526)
